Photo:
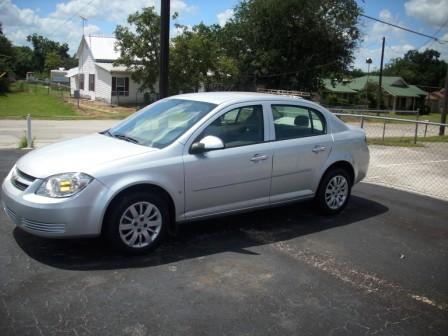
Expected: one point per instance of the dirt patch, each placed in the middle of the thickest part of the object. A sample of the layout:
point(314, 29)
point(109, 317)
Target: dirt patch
point(97, 109)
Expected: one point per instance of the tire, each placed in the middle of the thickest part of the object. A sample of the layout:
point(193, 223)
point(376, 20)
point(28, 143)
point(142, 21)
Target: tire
point(137, 223)
point(334, 191)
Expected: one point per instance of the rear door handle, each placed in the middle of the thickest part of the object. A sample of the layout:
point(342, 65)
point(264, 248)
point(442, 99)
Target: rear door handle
point(258, 157)
point(318, 149)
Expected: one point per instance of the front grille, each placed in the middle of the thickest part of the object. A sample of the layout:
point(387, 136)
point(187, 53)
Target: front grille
point(11, 214)
point(18, 184)
point(25, 176)
point(21, 180)
point(43, 227)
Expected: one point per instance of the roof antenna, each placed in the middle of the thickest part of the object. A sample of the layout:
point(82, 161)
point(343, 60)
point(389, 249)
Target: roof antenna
point(84, 20)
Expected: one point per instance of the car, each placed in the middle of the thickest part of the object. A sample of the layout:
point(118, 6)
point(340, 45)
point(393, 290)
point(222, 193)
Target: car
point(185, 158)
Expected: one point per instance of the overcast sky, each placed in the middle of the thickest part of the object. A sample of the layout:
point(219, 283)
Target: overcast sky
point(59, 20)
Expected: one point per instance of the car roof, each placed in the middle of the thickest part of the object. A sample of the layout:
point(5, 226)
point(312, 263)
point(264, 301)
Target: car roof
point(232, 97)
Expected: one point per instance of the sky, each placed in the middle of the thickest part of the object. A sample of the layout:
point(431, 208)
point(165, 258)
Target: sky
point(60, 20)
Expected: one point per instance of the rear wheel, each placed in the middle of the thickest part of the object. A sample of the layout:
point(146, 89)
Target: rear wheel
point(334, 191)
point(137, 223)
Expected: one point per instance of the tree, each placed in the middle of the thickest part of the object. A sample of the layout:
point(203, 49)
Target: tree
point(420, 68)
point(280, 44)
point(289, 44)
point(43, 47)
point(140, 46)
point(196, 60)
point(6, 61)
point(354, 73)
point(24, 61)
point(70, 62)
point(52, 61)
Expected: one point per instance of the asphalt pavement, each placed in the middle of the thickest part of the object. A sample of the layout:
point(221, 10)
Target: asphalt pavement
point(378, 268)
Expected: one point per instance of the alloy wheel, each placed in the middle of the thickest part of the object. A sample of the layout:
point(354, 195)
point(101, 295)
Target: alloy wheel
point(140, 224)
point(336, 192)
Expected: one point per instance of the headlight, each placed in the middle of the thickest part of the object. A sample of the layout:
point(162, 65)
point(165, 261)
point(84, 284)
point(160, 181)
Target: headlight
point(64, 185)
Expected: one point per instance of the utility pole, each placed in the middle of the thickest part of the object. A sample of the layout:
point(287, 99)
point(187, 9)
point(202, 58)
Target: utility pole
point(380, 89)
point(445, 105)
point(164, 47)
point(368, 61)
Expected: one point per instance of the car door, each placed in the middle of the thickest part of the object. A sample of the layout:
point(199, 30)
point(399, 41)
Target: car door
point(235, 177)
point(302, 145)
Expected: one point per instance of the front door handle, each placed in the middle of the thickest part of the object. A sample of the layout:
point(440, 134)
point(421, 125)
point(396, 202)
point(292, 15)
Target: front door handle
point(258, 157)
point(318, 149)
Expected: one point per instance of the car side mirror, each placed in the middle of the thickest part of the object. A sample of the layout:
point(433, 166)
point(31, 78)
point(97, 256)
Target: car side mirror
point(206, 144)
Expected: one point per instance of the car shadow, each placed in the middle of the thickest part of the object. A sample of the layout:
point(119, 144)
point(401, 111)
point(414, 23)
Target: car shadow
point(199, 239)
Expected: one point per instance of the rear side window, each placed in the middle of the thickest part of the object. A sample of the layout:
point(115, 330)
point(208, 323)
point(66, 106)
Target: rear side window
point(293, 122)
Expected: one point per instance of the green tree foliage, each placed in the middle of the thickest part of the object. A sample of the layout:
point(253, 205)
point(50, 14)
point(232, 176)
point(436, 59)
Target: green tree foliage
point(6, 61)
point(52, 61)
point(43, 48)
point(280, 44)
point(420, 68)
point(140, 46)
point(289, 44)
point(24, 61)
point(196, 60)
point(70, 62)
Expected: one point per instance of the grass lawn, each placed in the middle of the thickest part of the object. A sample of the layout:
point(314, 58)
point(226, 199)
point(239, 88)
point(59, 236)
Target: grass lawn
point(36, 101)
point(406, 141)
point(432, 117)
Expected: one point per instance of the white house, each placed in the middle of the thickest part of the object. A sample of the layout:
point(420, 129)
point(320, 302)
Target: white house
point(97, 78)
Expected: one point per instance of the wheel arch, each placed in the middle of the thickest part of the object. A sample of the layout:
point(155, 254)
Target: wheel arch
point(346, 165)
point(146, 187)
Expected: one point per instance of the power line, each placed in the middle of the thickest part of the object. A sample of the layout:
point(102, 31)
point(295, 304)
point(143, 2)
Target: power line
point(70, 17)
point(403, 28)
point(434, 35)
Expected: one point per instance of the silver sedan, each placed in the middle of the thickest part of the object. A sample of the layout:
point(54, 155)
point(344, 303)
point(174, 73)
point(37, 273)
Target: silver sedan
point(185, 158)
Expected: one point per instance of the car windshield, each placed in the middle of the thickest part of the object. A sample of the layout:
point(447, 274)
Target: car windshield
point(159, 124)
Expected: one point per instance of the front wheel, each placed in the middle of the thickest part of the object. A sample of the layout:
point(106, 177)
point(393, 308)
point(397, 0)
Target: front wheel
point(137, 223)
point(334, 191)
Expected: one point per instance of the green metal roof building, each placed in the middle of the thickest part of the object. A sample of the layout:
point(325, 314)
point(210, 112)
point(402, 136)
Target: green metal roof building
point(397, 94)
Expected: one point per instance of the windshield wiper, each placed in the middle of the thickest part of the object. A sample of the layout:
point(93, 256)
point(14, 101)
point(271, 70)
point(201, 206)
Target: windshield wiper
point(124, 137)
point(107, 132)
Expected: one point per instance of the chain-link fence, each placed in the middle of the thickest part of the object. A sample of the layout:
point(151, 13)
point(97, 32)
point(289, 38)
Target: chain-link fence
point(406, 154)
point(41, 86)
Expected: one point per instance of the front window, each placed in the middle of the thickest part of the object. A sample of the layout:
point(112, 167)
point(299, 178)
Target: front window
point(159, 124)
point(238, 127)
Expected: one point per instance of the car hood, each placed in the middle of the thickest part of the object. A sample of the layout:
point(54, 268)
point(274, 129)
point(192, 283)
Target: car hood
point(83, 154)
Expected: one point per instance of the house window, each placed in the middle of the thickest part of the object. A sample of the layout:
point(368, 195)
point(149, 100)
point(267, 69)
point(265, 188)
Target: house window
point(91, 82)
point(81, 81)
point(120, 86)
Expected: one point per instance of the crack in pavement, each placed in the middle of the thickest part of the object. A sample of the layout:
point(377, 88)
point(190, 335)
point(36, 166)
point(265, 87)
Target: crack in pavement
point(371, 283)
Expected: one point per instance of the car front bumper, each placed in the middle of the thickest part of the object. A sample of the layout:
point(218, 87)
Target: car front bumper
point(76, 216)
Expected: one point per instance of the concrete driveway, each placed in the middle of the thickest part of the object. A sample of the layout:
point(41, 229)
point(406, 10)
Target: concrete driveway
point(49, 131)
point(379, 268)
